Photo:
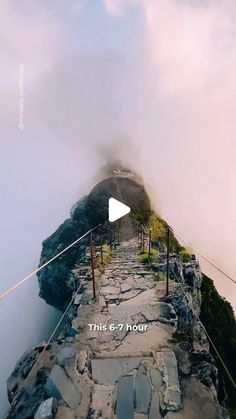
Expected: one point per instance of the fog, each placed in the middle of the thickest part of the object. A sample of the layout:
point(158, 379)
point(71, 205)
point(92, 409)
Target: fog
point(151, 82)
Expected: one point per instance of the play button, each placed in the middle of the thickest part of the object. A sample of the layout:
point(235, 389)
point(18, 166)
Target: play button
point(117, 209)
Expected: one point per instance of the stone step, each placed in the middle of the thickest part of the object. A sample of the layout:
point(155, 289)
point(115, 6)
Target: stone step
point(142, 391)
point(125, 402)
point(59, 386)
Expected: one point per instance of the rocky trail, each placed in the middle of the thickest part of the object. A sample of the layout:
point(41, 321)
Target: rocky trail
point(133, 367)
point(129, 369)
point(124, 361)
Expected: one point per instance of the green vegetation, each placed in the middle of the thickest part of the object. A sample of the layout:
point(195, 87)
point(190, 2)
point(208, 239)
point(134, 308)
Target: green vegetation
point(144, 257)
point(159, 233)
point(179, 337)
point(158, 227)
point(185, 255)
point(107, 255)
point(160, 276)
point(218, 317)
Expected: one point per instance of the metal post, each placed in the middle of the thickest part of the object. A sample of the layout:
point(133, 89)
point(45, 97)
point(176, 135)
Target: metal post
point(149, 244)
point(92, 264)
point(167, 260)
point(111, 238)
point(101, 248)
point(143, 249)
point(118, 234)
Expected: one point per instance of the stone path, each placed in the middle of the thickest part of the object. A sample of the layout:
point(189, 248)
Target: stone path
point(128, 370)
point(121, 363)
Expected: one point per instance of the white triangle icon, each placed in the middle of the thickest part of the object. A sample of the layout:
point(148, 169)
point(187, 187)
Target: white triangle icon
point(117, 209)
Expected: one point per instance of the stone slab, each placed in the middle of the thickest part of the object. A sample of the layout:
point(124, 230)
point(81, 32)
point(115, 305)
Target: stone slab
point(47, 409)
point(109, 290)
point(172, 381)
point(66, 356)
point(78, 299)
point(125, 398)
point(107, 371)
point(125, 287)
point(156, 311)
point(154, 412)
point(59, 384)
point(156, 378)
point(142, 391)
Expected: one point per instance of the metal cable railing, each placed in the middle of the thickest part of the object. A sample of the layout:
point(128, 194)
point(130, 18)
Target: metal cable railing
point(13, 288)
point(205, 331)
point(27, 277)
point(90, 269)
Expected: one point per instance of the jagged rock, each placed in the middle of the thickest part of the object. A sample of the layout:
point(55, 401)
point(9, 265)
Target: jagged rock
point(186, 318)
point(192, 274)
point(184, 362)
point(21, 371)
point(56, 281)
point(78, 299)
point(59, 386)
point(66, 356)
point(199, 402)
point(140, 369)
point(27, 402)
point(204, 368)
point(176, 269)
point(81, 360)
point(125, 287)
point(159, 311)
point(200, 341)
point(47, 409)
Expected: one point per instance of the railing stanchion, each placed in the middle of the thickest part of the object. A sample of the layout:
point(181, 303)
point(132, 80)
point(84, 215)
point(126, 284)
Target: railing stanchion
point(118, 234)
point(149, 244)
point(111, 238)
point(143, 247)
point(101, 248)
point(92, 264)
point(167, 260)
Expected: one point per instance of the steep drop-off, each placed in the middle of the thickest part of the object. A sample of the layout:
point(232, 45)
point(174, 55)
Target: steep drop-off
point(172, 366)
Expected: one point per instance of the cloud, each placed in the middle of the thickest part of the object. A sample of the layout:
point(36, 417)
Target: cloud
point(29, 35)
point(190, 43)
point(182, 115)
point(118, 7)
point(191, 46)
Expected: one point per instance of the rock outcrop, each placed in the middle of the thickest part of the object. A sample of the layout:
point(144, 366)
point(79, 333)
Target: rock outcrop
point(56, 281)
point(135, 353)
